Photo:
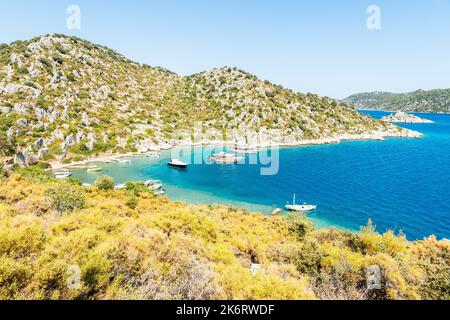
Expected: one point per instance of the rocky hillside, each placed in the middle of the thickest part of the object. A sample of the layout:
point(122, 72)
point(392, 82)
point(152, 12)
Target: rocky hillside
point(65, 98)
point(433, 101)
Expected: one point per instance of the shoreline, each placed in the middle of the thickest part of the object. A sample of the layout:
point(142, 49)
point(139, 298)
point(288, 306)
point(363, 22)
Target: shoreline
point(110, 157)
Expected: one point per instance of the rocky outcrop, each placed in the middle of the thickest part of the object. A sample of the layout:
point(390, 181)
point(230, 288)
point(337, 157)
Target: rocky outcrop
point(24, 159)
point(403, 117)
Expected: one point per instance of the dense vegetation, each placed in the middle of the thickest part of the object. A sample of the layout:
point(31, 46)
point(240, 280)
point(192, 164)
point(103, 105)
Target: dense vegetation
point(159, 249)
point(65, 98)
point(433, 101)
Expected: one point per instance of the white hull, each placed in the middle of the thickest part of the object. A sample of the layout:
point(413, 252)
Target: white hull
point(301, 208)
point(63, 176)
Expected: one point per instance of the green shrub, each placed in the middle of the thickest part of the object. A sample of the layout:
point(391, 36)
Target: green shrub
point(3, 172)
point(298, 225)
point(105, 183)
point(35, 172)
point(66, 198)
point(136, 188)
point(132, 202)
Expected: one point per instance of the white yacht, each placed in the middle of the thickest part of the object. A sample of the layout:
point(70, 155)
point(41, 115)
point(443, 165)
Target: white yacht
point(63, 174)
point(225, 158)
point(176, 163)
point(93, 169)
point(154, 184)
point(300, 208)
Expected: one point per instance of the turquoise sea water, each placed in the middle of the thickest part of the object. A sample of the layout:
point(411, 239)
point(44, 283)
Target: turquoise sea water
point(401, 184)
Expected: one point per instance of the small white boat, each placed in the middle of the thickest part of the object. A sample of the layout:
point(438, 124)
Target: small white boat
point(153, 155)
point(225, 158)
point(153, 184)
point(160, 192)
point(120, 187)
point(63, 174)
point(93, 169)
point(176, 163)
point(124, 161)
point(300, 208)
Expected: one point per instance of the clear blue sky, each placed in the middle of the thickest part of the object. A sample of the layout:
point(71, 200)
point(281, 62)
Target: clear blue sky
point(310, 46)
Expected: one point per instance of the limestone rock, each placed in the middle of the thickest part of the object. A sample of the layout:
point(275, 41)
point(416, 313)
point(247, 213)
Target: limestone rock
point(24, 159)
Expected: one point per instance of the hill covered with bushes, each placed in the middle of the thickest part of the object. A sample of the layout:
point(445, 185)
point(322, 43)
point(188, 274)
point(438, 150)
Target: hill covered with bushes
point(432, 101)
point(65, 98)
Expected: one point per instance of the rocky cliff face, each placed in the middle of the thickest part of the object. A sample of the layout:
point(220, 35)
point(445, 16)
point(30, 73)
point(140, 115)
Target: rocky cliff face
point(63, 97)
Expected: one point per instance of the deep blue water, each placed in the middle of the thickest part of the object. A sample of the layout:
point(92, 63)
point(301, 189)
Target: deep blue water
point(401, 184)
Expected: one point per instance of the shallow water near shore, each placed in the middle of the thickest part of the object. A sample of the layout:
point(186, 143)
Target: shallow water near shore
point(401, 184)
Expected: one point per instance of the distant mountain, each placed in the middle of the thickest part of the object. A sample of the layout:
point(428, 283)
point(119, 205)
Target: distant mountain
point(63, 97)
point(433, 101)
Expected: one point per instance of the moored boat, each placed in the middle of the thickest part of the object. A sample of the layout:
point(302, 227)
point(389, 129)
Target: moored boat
point(154, 184)
point(176, 163)
point(300, 208)
point(93, 169)
point(225, 158)
point(160, 192)
point(63, 174)
point(120, 187)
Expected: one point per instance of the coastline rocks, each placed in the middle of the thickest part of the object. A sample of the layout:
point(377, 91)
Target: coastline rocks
point(403, 117)
point(24, 159)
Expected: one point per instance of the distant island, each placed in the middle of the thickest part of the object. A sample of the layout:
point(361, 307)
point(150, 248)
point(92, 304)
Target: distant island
point(65, 100)
point(432, 101)
point(403, 117)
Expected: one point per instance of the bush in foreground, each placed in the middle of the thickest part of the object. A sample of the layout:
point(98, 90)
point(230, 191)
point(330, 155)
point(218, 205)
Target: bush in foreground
point(105, 183)
point(108, 249)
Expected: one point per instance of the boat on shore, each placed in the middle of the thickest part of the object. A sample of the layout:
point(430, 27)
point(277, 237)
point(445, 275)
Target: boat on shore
point(300, 208)
point(176, 163)
point(276, 212)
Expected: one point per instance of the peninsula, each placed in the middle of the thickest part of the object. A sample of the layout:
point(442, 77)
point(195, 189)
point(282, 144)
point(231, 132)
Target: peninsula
point(403, 117)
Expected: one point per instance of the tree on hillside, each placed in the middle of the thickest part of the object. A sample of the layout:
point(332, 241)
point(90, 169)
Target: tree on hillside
point(7, 146)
